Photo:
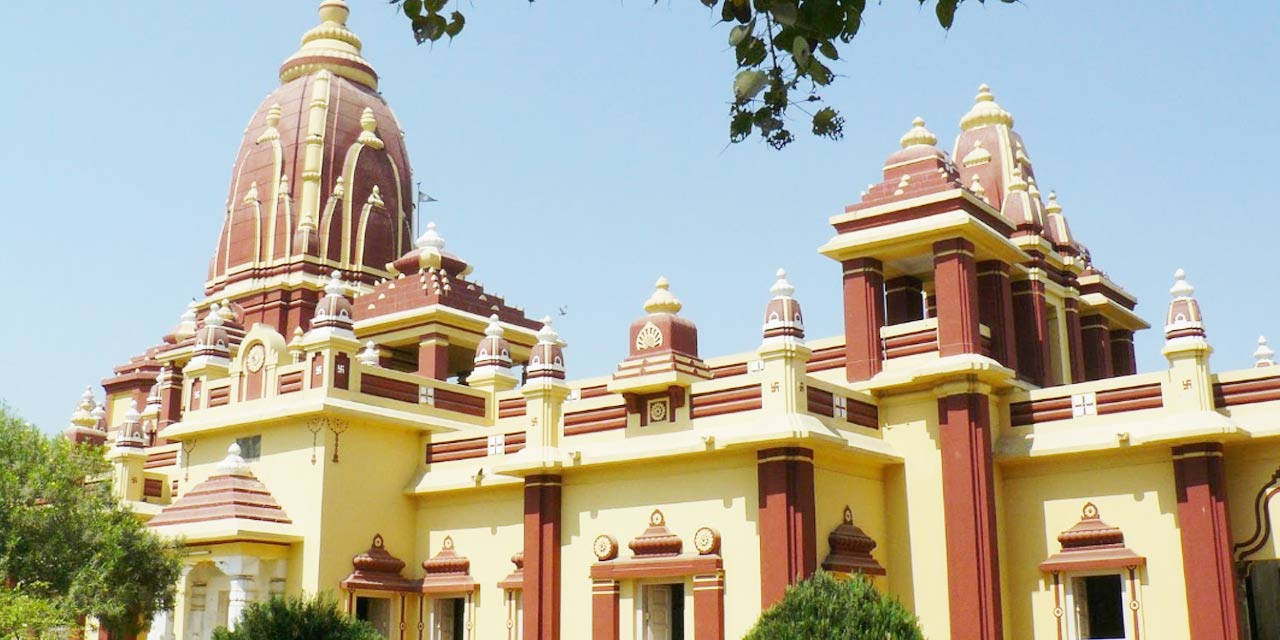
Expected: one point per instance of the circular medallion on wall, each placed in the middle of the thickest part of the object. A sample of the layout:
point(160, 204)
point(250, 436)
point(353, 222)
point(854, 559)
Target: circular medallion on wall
point(605, 547)
point(257, 356)
point(706, 540)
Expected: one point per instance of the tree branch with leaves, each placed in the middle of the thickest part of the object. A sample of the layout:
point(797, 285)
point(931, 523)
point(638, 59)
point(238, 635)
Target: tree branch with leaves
point(782, 48)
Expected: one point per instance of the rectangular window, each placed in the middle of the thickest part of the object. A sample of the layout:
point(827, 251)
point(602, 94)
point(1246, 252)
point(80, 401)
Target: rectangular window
point(1099, 607)
point(250, 447)
point(450, 619)
point(375, 611)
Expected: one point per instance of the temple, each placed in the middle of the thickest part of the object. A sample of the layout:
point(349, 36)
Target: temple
point(347, 410)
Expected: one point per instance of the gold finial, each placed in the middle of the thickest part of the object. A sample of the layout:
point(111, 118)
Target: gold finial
point(273, 115)
point(331, 46)
point(335, 11)
point(918, 135)
point(985, 111)
point(273, 119)
point(1016, 183)
point(662, 301)
point(977, 189)
point(369, 123)
point(1053, 207)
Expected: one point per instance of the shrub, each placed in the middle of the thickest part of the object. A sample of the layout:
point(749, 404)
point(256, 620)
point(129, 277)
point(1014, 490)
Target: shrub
point(824, 608)
point(317, 618)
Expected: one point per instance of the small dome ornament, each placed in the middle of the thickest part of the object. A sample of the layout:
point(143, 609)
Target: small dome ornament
point(662, 301)
point(370, 355)
point(918, 135)
point(83, 416)
point(233, 464)
point(1184, 319)
point(1263, 356)
point(546, 359)
point(782, 316)
point(493, 350)
point(985, 111)
point(430, 239)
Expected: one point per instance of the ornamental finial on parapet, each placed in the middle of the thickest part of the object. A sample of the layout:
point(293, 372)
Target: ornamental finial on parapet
point(1263, 356)
point(918, 135)
point(1184, 318)
point(662, 301)
point(782, 316)
point(985, 111)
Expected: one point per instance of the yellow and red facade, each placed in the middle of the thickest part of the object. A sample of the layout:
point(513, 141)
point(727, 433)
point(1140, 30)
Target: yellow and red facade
point(347, 411)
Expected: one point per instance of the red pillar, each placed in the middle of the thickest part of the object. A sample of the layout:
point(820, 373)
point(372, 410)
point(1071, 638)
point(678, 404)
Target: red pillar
point(788, 535)
point(1123, 360)
point(1206, 541)
point(1075, 345)
point(708, 606)
point(1031, 328)
point(968, 492)
point(903, 301)
point(955, 282)
point(995, 309)
point(604, 610)
point(863, 317)
point(170, 399)
point(542, 557)
point(433, 357)
point(1095, 341)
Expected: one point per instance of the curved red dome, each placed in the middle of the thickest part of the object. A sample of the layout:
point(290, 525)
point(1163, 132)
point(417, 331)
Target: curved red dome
point(322, 178)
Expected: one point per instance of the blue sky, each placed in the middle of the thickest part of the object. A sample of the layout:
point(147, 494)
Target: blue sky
point(578, 151)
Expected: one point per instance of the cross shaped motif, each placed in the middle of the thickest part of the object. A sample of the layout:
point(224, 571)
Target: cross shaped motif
point(840, 407)
point(497, 444)
point(1084, 404)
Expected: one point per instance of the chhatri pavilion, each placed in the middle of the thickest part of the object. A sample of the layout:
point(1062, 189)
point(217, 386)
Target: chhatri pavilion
point(347, 410)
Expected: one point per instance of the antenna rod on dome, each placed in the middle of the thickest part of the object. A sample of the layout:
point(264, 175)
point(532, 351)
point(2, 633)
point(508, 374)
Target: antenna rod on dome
point(417, 208)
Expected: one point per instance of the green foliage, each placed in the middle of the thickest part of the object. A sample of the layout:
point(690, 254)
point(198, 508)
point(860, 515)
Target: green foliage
point(64, 539)
point(774, 44)
point(317, 618)
point(23, 615)
point(824, 608)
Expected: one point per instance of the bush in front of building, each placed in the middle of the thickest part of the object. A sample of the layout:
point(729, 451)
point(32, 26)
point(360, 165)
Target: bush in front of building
point(301, 618)
point(825, 608)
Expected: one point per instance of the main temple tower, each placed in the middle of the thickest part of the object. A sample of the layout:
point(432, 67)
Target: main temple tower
point(321, 183)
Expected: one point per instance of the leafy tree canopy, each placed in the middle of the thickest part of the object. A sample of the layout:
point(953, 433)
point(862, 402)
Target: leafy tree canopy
point(784, 50)
point(824, 608)
point(303, 618)
point(64, 539)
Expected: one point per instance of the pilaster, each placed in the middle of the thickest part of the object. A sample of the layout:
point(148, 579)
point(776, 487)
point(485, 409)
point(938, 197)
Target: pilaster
point(542, 496)
point(955, 279)
point(863, 317)
point(995, 309)
point(968, 491)
point(604, 610)
point(433, 357)
point(1095, 340)
point(1031, 326)
point(1206, 542)
point(788, 534)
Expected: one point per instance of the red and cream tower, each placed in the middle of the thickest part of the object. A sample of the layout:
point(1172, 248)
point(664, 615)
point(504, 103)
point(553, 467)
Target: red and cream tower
point(321, 183)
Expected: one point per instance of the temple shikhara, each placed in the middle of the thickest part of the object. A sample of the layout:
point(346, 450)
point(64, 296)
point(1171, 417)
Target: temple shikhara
point(347, 410)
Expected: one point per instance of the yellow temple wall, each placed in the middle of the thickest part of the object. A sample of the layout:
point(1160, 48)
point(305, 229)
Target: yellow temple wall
point(1135, 492)
point(488, 528)
point(719, 492)
point(915, 533)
